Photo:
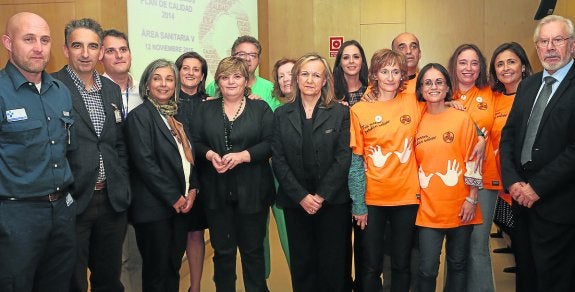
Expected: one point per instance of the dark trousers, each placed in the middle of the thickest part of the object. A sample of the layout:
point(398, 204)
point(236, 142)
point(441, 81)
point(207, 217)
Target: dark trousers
point(100, 232)
point(402, 222)
point(553, 248)
point(37, 246)
point(357, 285)
point(456, 251)
point(526, 276)
point(414, 264)
point(162, 245)
point(231, 230)
point(319, 248)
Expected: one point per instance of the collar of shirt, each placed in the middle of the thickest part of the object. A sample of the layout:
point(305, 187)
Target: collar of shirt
point(18, 79)
point(131, 84)
point(80, 84)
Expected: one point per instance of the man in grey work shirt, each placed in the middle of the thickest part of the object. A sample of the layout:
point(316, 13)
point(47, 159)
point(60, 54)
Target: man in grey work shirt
point(37, 214)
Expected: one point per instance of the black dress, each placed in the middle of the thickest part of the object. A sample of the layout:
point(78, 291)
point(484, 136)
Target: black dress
point(187, 104)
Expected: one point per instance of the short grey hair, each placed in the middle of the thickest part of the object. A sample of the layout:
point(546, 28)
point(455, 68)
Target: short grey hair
point(552, 18)
point(86, 23)
point(149, 71)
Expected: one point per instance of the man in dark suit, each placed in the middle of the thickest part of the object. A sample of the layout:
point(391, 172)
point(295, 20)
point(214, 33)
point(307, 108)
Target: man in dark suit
point(538, 162)
point(98, 160)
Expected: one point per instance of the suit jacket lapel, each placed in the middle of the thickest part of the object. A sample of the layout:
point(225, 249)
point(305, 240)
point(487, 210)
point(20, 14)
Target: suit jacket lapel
point(294, 117)
point(77, 100)
point(322, 116)
point(161, 124)
point(558, 95)
point(109, 110)
point(529, 101)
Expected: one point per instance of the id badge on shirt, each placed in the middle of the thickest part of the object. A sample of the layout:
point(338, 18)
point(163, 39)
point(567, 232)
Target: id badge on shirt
point(15, 115)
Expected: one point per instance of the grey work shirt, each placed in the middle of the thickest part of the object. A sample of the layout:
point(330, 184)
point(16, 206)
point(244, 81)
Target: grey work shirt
point(34, 135)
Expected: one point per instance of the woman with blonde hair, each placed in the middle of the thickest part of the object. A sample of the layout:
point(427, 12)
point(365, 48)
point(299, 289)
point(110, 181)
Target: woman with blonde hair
point(311, 160)
point(232, 135)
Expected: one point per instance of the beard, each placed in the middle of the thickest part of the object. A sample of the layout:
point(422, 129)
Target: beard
point(30, 65)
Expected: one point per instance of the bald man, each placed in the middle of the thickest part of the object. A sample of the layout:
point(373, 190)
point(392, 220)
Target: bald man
point(37, 214)
point(408, 44)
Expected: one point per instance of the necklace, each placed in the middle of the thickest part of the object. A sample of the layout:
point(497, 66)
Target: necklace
point(229, 124)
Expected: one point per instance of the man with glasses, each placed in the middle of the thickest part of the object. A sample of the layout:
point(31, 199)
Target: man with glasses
point(249, 49)
point(538, 162)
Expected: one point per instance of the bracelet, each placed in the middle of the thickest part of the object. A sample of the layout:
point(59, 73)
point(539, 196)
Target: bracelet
point(471, 200)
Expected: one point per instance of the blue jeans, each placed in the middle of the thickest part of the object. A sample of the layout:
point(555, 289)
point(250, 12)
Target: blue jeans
point(456, 249)
point(479, 270)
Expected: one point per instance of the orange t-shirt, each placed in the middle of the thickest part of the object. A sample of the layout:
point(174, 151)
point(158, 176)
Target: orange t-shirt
point(383, 133)
point(479, 103)
point(503, 105)
point(444, 142)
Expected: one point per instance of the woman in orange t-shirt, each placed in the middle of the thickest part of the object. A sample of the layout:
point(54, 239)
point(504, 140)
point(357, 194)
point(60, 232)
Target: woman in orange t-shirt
point(444, 143)
point(468, 71)
point(509, 65)
point(382, 135)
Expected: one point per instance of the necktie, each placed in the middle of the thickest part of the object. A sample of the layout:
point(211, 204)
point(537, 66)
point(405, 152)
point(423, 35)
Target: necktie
point(535, 118)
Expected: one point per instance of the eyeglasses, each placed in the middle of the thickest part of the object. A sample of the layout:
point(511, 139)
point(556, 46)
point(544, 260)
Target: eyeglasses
point(429, 82)
point(557, 42)
point(245, 55)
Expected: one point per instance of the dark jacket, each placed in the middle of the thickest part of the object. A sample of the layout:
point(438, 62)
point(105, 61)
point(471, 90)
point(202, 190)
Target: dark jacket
point(331, 150)
point(157, 175)
point(252, 182)
point(552, 171)
point(83, 153)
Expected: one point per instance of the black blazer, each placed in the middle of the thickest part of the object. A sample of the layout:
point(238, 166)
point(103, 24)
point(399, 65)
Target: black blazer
point(157, 176)
point(552, 173)
point(331, 149)
point(252, 131)
point(83, 153)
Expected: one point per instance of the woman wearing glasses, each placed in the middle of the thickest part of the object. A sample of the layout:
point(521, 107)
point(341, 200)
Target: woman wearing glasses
point(232, 135)
point(382, 137)
point(311, 160)
point(444, 142)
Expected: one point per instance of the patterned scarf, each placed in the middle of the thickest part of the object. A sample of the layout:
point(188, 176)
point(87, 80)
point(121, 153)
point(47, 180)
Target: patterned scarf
point(176, 128)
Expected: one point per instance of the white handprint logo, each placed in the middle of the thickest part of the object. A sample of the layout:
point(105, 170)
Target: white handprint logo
point(377, 157)
point(450, 177)
point(423, 179)
point(404, 156)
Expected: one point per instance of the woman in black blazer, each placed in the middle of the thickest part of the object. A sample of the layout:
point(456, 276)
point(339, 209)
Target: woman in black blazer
point(311, 159)
point(232, 136)
point(162, 178)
